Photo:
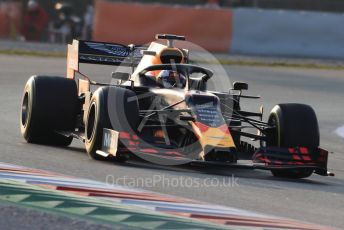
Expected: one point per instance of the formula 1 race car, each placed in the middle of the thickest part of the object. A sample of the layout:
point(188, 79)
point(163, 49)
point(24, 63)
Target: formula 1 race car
point(162, 112)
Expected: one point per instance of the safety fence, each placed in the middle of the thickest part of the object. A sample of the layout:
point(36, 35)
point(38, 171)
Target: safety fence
point(234, 30)
point(238, 30)
point(288, 33)
point(138, 23)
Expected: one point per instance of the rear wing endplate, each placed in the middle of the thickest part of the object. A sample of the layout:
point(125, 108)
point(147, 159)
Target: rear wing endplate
point(101, 53)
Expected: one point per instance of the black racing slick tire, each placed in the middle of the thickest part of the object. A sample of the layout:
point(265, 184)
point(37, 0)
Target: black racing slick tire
point(296, 125)
point(110, 108)
point(49, 104)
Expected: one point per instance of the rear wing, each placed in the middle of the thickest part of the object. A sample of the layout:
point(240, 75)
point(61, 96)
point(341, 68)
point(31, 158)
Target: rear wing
point(101, 53)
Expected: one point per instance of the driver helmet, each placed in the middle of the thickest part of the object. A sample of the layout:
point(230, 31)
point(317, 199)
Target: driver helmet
point(32, 5)
point(171, 79)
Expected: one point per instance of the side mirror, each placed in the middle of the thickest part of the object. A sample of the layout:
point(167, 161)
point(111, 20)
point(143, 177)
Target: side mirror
point(205, 77)
point(120, 76)
point(237, 85)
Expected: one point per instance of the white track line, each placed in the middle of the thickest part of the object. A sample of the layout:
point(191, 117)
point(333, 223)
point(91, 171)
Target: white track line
point(340, 131)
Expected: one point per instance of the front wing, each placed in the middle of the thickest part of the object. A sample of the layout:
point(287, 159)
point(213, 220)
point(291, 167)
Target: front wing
point(267, 158)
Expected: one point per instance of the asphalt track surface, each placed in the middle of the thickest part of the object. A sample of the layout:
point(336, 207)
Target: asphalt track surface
point(316, 199)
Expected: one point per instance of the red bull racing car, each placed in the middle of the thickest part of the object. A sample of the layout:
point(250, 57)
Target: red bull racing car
point(162, 112)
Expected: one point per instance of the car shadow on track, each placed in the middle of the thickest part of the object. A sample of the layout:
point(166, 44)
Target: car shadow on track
point(219, 171)
point(313, 183)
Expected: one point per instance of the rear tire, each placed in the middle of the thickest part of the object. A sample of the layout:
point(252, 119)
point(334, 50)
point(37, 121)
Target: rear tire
point(110, 108)
point(296, 126)
point(48, 104)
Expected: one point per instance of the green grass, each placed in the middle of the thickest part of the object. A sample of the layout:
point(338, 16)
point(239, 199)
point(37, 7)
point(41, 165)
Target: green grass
point(221, 61)
point(284, 64)
point(277, 64)
point(33, 53)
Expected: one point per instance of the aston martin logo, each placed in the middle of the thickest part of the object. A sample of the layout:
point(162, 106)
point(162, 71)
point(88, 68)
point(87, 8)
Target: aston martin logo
point(112, 49)
point(115, 49)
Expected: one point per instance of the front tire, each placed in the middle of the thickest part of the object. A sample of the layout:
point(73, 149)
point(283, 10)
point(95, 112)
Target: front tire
point(110, 108)
point(49, 104)
point(296, 126)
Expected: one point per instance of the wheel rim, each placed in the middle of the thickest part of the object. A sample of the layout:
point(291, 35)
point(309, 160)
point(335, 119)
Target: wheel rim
point(25, 109)
point(91, 122)
point(274, 135)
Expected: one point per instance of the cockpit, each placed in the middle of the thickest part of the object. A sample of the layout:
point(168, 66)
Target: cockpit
point(172, 76)
point(167, 79)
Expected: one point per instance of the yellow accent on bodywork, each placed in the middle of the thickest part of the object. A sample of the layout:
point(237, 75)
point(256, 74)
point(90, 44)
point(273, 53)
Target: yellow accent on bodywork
point(214, 137)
